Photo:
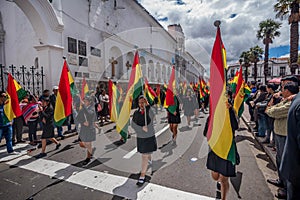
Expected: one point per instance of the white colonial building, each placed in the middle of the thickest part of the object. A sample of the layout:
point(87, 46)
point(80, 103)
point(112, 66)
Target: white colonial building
point(97, 37)
point(278, 67)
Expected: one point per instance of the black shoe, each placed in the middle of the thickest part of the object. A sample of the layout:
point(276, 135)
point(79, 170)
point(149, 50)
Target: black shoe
point(281, 194)
point(57, 146)
point(140, 182)
point(275, 182)
point(218, 195)
point(20, 141)
point(218, 185)
point(86, 161)
point(62, 137)
point(41, 155)
point(266, 141)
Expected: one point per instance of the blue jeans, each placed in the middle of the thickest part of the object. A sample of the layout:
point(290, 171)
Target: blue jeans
point(7, 132)
point(262, 124)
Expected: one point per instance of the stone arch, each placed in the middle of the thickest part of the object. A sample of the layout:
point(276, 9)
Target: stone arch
point(115, 69)
point(128, 63)
point(48, 28)
point(42, 17)
point(143, 66)
point(158, 71)
point(150, 70)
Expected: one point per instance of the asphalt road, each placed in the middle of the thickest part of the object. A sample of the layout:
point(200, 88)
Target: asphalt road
point(177, 172)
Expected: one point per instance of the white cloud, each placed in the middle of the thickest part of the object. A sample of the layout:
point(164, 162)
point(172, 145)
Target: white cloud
point(240, 20)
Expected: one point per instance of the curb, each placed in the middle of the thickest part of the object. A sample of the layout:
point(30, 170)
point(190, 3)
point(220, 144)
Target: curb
point(266, 149)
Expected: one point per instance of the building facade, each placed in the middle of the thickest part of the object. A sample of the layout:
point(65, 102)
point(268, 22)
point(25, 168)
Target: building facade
point(278, 67)
point(97, 37)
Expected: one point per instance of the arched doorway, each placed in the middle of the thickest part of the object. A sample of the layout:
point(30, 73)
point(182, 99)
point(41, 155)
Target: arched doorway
point(115, 68)
point(128, 64)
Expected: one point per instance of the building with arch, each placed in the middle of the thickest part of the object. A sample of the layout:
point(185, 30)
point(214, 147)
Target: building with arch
point(97, 37)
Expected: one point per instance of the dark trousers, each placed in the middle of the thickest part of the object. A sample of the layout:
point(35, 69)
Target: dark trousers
point(32, 128)
point(293, 191)
point(17, 129)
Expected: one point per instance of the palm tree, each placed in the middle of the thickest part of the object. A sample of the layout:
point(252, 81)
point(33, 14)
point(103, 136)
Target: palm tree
point(255, 55)
point(268, 30)
point(283, 8)
point(245, 61)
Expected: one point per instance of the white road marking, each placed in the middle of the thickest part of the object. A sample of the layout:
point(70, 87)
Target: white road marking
point(134, 151)
point(104, 182)
point(19, 150)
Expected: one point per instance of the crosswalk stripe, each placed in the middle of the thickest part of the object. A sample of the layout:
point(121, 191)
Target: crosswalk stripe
point(104, 182)
point(132, 152)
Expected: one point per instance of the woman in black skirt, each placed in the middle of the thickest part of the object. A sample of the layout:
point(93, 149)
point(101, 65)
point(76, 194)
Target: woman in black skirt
point(146, 140)
point(46, 116)
point(86, 118)
point(174, 118)
point(222, 169)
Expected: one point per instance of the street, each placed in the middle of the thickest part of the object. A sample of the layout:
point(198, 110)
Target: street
point(177, 172)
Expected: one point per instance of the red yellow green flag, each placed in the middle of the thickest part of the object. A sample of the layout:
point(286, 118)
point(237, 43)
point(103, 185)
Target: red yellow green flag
point(170, 91)
point(149, 92)
point(239, 94)
point(135, 87)
point(63, 105)
point(219, 135)
point(158, 94)
point(11, 106)
point(114, 96)
point(84, 88)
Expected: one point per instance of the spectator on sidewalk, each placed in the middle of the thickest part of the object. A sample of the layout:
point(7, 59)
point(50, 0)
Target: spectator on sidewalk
point(271, 87)
point(33, 122)
point(290, 165)
point(46, 116)
point(279, 112)
point(260, 104)
point(252, 96)
point(5, 127)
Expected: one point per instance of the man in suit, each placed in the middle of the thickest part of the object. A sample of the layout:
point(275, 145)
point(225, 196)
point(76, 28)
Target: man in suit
point(290, 164)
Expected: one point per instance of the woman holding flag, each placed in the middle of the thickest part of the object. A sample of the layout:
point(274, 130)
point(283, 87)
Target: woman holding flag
point(142, 123)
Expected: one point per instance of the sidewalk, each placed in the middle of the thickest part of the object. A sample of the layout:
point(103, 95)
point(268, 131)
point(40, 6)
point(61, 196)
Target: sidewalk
point(269, 151)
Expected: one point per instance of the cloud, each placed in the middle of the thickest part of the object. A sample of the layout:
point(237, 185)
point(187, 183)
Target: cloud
point(240, 20)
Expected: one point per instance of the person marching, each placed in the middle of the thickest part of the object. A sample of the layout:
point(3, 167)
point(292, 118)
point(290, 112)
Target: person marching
point(86, 118)
point(46, 116)
point(142, 123)
point(174, 119)
point(222, 169)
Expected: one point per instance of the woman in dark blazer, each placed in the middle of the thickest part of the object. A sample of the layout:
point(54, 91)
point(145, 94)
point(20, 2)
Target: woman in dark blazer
point(46, 116)
point(146, 140)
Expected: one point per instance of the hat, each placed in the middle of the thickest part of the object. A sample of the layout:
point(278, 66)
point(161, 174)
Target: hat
point(290, 78)
point(141, 97)
point(45, 98)
point(55, 87)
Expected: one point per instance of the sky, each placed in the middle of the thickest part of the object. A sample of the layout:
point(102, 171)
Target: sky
point(239, 24)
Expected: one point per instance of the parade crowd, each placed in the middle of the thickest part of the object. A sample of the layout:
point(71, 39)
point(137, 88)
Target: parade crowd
point(274, 108)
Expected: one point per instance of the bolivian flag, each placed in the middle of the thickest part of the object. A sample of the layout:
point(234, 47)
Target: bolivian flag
point(11, 106)
point(114, 96)
point(171, 103)
point(149, 92)
point(241, 95)
point(63, 105)
point(135, 87)
point(219, 135)
point(84, 88)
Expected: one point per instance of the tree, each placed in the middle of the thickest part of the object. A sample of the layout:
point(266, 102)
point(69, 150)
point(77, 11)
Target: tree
point(255, 55)
point(245, 61)
point(268, 30)
point(283, 8)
